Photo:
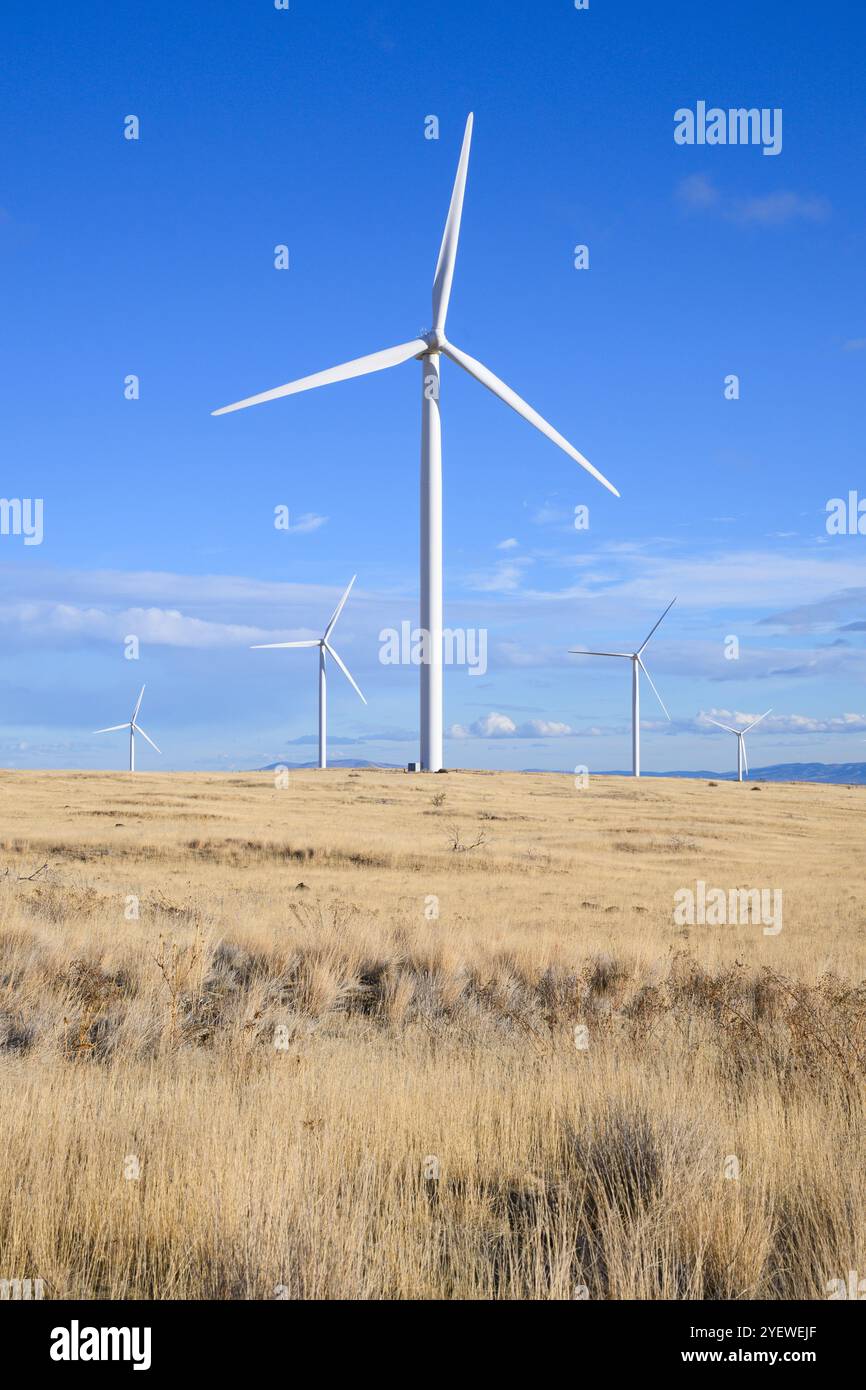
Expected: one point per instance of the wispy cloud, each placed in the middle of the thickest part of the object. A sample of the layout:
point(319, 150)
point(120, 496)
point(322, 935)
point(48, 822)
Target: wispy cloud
point(171, 609)
point(724, 578)
point(165, 587)
point(554, 515)
point(157, 626)
point(698, 193)
point(309, 521)
point(505, 577)
point(822, 613)
point(751, 579)
point(775, 209)
point(775, 723)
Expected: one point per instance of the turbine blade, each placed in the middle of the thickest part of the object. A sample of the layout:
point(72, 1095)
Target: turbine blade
point(269, 646)
point(338, 610)
point(573, 651)
point(137, 705)
point(505, 393)
point(745, 759)
point(112, 728)
point(758, 720)
point(655, 692)
point(727, 728)
point(349, 677)
point(652, 629)
point(450, 237)
point(374, 362)
point(140, 730)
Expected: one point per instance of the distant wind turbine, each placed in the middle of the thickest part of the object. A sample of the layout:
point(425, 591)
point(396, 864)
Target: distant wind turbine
point(742, 760)
point(324, 646)
point(427, 350)
point(134, 728)
point(637, 665)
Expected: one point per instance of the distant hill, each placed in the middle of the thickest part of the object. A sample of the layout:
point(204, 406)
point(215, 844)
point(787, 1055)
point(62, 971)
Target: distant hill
point(332, 762)
point(846, 774)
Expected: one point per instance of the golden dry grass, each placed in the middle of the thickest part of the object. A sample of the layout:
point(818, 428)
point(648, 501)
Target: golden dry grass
point(327, 1091)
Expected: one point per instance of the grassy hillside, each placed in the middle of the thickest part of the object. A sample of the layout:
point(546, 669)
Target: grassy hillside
point(374, 1035)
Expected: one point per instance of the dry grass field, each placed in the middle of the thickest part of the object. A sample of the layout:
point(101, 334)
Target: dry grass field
point(377, 1036)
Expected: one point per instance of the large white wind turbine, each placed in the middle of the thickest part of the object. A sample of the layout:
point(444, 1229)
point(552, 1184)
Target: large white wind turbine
point(324, 646)
point(134, 728)
point(741, 740)
point(427, 349)
point(637, 665)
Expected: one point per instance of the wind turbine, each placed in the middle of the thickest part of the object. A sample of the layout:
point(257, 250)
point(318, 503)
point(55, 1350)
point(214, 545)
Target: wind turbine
point(637, 665)
point(741, 740)
point(324, 646)
point(134, 728)
point(427, 349)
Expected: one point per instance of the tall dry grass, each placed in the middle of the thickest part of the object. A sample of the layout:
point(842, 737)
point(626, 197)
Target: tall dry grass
point(285, 1078)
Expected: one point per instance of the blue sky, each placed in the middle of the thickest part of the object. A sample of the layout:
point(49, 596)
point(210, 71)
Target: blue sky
point(306, 127)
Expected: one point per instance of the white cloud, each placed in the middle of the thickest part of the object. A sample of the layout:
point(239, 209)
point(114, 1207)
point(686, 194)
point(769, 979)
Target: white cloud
point(823, 613)
point(495, 725)
point(309, 521)
point(551, 515)
point(165, 588)
point(160, 626)
point(750, 579)
point(515, 654)
point(545, 728)
point(181, 610)
point(504, 579)
point(775, 209)
point(509, 544)
point(782, 723)
point(698, 193)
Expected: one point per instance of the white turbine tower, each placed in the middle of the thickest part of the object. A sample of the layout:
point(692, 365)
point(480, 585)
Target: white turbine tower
point(134, 728)
point(427, 350)
point(324, 646)
point(741, 740)
point(637, 665)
